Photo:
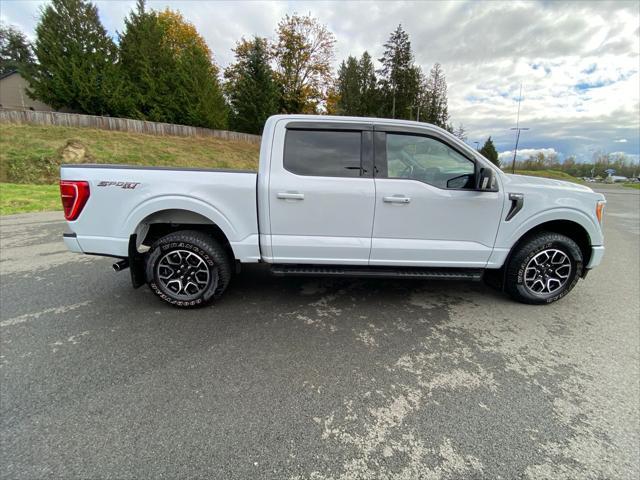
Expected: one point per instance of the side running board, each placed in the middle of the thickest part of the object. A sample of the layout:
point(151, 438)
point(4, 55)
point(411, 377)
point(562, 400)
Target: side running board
point(468, 274)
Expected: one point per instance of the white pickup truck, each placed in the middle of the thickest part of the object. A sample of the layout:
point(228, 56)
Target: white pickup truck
point(339, 196)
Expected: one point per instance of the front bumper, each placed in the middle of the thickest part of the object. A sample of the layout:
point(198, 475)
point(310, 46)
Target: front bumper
point(597, 252)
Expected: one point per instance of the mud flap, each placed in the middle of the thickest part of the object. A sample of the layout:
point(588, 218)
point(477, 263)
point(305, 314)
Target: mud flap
point(136, 263)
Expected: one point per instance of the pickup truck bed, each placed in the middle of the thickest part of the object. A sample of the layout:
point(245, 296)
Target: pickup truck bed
point(128, 200)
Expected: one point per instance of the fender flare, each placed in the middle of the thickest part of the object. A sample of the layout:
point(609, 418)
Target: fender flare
point(561, 213)
point(177, 202)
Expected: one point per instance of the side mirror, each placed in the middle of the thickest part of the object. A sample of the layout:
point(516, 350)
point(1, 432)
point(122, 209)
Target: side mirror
point(485, 179)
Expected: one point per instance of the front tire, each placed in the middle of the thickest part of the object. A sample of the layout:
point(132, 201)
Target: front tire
point(187, 269)
point(544, 269)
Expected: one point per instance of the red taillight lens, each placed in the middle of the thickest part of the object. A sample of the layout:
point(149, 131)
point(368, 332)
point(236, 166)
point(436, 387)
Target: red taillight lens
point(74, 197)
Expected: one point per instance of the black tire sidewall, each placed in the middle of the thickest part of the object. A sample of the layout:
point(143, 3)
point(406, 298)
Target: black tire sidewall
point(515, 275)
point(202, 246)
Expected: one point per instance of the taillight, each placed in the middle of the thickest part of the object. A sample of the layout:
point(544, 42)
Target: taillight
point(74, 197)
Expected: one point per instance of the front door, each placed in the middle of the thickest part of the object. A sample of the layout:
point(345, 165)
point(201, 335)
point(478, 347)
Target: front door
point(428, 212)
point(322, 195)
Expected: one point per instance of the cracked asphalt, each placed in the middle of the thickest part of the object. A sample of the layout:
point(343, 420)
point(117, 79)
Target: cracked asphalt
point(315, 379)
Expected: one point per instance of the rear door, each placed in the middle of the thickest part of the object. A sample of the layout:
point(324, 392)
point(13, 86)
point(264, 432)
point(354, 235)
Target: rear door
point(321, 193)
point(428, 212)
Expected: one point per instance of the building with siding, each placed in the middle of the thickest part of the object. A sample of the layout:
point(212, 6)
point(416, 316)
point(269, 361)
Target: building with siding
point(13, 94)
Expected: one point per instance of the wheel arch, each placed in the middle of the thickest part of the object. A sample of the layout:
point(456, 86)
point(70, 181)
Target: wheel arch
point(572, 229)
point(180, 210)
point(162, 222)
point(569, 228)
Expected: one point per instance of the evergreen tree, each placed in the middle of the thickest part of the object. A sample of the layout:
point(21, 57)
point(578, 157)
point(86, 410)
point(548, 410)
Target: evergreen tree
point(370, 98)
point(435, 108)
point(76, 59)
point(16, 52)
point(149, 66)
point(356, 87)
point(400, 78)
point(251, 87)
point(349, 88)
point(169, 73)
point(489, 151)
point(197, 92)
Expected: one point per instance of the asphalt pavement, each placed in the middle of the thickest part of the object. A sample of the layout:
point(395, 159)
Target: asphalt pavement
point(315, 379)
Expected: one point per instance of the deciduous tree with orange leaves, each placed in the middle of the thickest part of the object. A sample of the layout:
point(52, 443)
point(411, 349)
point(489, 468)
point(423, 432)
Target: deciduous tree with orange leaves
point(303, 52)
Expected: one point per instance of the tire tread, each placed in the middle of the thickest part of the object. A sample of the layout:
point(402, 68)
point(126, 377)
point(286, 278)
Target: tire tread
point(512, 287)
point(205, 242)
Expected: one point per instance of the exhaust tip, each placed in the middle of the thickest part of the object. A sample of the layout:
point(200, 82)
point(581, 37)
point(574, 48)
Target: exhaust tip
point(121, 265)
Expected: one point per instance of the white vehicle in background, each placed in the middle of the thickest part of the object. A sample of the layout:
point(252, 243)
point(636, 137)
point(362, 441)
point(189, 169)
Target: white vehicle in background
point(338, 196)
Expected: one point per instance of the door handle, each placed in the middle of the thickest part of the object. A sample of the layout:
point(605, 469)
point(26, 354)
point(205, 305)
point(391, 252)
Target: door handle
point(396, 199)
point(290, 196)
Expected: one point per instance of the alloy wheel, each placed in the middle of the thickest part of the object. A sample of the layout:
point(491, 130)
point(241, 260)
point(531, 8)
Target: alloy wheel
point(183, 274)
point(547, 272)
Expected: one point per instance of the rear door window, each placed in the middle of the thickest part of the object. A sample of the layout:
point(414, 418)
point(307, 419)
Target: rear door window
point(323, 153)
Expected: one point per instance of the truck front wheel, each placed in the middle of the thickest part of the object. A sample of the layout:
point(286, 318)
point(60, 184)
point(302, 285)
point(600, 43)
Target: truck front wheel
point(544, 268)
point(187, 269)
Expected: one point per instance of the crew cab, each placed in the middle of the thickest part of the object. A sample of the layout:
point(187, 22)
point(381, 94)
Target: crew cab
point(337, 196)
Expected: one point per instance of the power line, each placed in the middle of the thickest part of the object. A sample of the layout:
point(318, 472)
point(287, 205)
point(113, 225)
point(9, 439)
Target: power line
point(519, 129)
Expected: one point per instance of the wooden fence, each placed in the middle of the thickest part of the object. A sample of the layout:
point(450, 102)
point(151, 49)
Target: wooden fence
point(120, 124)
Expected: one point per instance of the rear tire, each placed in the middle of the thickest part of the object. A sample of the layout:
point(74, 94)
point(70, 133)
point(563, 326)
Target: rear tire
point(544, 269)
point(188, 269)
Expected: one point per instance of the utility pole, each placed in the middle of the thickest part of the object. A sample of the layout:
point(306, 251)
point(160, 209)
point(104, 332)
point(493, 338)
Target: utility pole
point(477, 146)
point(410, 108)
point(519, 129)
point(393, 108)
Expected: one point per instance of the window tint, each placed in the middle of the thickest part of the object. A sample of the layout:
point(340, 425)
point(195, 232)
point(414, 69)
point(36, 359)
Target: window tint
point(429, 161)
point(323, 153)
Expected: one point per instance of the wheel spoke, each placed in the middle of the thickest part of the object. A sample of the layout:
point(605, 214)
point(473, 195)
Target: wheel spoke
point(538, 282)
point(183, 273)
point(563, 271)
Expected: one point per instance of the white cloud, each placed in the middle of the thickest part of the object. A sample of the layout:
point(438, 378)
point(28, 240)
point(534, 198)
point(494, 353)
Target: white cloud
point(523, 154)
point(578, 61)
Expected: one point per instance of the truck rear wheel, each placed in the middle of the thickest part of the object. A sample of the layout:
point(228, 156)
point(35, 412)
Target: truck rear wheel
point(188, 269)
point(544, 269)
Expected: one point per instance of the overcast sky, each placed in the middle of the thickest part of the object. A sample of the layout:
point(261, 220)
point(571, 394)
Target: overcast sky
point(578, 62)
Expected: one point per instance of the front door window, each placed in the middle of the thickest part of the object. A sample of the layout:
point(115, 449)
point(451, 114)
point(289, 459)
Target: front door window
point(427, 160)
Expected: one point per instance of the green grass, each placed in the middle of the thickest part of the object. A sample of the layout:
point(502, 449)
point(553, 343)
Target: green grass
point(32, 154)
point(16, 198)
point(554, 174)
point(632, 185)
point(31, 157)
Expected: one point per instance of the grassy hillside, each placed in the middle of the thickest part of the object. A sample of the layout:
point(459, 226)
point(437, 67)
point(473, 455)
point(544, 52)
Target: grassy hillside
point(33, 154)
point(30, 158)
